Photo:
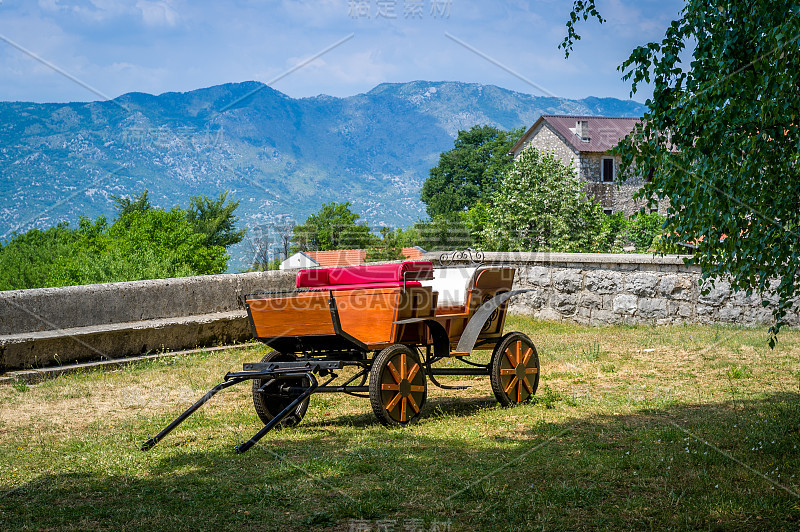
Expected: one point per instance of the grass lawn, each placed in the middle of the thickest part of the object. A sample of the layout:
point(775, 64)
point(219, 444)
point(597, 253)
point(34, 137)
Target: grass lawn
point(632, 428)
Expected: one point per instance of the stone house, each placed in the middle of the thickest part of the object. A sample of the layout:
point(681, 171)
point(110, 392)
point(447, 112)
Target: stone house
point(585, 143)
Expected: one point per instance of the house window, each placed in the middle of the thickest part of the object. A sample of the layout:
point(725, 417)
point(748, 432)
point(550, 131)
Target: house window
point(608, 211)
point(608, 170)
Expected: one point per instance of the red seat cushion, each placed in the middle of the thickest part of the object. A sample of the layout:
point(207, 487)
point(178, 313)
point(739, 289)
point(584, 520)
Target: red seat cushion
point(313, 277)
point(365, 274)
point(394, 284)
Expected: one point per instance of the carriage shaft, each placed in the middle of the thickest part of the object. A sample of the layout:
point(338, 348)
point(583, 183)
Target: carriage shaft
point(244, 446)
point(189, 411)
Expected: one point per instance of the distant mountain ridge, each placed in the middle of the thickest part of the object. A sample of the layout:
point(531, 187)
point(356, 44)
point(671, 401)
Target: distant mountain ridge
point(277, 155)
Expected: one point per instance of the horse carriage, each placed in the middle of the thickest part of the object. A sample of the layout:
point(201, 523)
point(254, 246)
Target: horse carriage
point(390, 324)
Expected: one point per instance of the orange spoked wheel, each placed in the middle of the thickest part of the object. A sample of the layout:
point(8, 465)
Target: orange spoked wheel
point(397, 388)
point(515, 369)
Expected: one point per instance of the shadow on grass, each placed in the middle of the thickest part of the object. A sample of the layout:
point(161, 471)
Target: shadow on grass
point(718, 466)
point(436, 406)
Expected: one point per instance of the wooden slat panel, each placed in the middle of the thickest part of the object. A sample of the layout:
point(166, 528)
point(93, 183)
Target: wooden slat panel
point(303, 315)
point(487, 284)
point(368, 314)
point(495, 278)
point(454, 325)
point(415, 302)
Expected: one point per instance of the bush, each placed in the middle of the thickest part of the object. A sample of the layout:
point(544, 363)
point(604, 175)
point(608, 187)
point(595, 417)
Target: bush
point(143, 243)
point(638, 231)
point(644, 228)
point(540, 205)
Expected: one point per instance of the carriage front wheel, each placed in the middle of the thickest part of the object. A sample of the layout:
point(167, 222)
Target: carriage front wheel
point(397, 388)
point(515, 369)
point(271, 401)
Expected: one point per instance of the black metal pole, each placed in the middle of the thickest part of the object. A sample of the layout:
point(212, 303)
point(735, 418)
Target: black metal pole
point(189, 411)
point(343, 389)
point(244, 446)
point(459, 371)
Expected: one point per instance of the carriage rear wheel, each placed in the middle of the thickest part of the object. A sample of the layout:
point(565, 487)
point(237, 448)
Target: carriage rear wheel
point(397, 387)
point(270, 402)
point(515, 369)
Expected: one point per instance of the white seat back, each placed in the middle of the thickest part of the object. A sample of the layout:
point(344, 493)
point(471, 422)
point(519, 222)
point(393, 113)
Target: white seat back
point(452, 285)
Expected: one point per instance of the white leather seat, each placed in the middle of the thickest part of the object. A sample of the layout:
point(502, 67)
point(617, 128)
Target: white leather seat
point(452, 285)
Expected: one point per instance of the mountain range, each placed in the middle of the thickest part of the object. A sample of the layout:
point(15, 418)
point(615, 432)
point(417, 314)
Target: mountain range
point(279, 156)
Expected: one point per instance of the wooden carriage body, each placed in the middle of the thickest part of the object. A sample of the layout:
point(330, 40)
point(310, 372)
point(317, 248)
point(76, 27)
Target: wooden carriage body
point(389, 304)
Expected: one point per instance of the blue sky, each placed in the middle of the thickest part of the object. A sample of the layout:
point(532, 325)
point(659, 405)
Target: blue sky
point(119, 46)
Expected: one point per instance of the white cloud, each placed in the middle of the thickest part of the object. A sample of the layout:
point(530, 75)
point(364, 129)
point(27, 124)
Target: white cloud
point(156, 14)
point(315, 13)
point(348, 72)
point(51, 5)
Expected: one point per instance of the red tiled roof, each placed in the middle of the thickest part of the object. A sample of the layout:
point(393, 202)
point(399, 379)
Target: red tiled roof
point(604, 132)
point(353, 257)
point(339, 257)
point(412, 253)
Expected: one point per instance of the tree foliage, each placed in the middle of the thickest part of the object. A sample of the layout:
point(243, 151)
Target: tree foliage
point(470, 171)
point(443, 233)
point(638, 231)
point(215, 219)
point(388, 247)
point(335, 226)
point(125, 204)
point(541, 205)
point(142, 243)
point(721, 137)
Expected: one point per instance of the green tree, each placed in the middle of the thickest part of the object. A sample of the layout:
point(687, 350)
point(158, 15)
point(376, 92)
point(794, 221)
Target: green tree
point(721, 137)
point(335, 226)
point(644, 227)
point(476, 219)
point(389, 247)
point(172, 237)
point(125, 205)
point(27, 259)
point(638, 230)
point(443, 233)
point(541, 205)
point(215, 219)
point(142, 243)
point(616, 228)
point(469, 172)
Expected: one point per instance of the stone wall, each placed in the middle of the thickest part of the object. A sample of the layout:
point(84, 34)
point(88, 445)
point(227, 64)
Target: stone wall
point(600, 289)
point(44, 309)
point(546, 139)
point(47, 326)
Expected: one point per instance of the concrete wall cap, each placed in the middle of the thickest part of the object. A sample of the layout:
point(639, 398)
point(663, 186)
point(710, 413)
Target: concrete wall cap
point(574, 258)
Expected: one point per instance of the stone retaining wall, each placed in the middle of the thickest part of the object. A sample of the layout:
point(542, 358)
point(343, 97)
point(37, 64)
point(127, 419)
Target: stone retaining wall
point(44, 309)
point(48, 326)
point(601, 289)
